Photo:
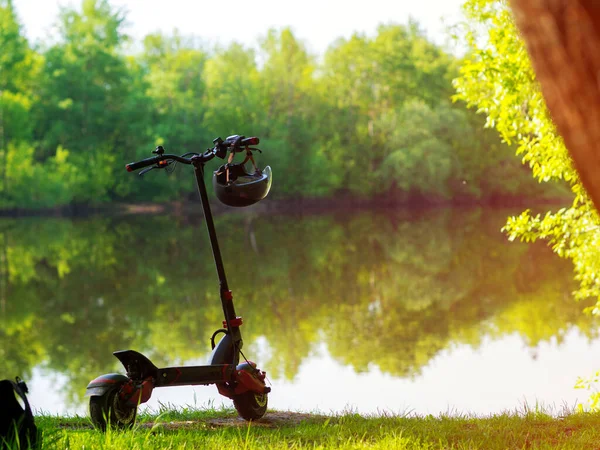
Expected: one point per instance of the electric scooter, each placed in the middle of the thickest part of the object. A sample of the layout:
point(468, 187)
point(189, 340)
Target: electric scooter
point(114, 397)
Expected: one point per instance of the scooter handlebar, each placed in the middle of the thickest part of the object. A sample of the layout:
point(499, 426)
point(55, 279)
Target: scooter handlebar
point(219, 150)
point(204, 157)
point(143, 163)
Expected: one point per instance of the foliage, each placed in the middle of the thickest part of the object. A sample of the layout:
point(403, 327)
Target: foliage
point(372, 118)
point(85, 100)
point(498, 79)
point(590, 384)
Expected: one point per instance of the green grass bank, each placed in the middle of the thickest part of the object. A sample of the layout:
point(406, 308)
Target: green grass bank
point(222, 429)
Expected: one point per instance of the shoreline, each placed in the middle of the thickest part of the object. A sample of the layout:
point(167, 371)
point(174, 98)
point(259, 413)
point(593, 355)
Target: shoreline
point(306, 205)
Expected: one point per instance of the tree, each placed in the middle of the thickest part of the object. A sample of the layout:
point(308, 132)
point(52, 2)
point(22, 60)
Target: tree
point(174, 90)
point(14, 124)
point(232, 95)
point(23, 183)
point(374, 120)
point(87, 104)
point(391, 125)
point(290, 111)
point(16, 56)
point(498, 79)
point(567, 74)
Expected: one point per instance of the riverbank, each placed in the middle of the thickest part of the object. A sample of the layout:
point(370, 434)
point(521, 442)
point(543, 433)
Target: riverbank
point(342, 202)
point(218, 429)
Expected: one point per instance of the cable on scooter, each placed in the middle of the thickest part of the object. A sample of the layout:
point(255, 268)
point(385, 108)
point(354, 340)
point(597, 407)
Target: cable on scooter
point(257, 370)
point(212, 338)
point(173, 164)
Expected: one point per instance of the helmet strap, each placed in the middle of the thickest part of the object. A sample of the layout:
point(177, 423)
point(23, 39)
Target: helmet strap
point(229, 161)
point(251, 158)
point(248, 157)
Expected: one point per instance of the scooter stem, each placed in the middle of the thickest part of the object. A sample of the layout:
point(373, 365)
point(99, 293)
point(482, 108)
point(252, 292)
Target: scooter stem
point(226, 298)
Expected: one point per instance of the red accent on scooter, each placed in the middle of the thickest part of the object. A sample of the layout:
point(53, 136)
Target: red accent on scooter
point(228, 295)
point(136, 395)
point(225, 391)
point(248, 382)
point(177, 377)
point(250, 141)
point(237, 322)
point(101, 380)
point(224, 372)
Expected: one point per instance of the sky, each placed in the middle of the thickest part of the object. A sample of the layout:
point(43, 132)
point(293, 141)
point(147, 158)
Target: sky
point(318, 23)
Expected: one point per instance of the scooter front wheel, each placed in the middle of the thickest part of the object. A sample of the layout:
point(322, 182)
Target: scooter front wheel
point(250, 405)
point(108, 409)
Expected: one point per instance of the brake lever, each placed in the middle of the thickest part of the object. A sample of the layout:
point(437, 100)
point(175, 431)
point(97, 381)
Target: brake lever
point(146, 170)
point(160, 165)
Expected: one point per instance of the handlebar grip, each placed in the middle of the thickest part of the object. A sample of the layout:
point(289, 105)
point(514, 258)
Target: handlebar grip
point(143, 163)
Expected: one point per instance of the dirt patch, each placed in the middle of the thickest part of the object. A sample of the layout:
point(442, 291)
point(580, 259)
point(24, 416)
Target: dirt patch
point(270, 420)
point(75, 425)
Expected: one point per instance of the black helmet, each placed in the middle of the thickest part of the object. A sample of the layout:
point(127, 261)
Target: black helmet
point(235, 186)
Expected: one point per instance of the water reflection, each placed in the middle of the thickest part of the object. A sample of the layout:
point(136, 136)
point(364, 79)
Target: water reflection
point(389, 292)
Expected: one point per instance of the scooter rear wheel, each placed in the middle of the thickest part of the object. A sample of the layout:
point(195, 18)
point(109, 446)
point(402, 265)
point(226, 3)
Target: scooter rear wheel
point(251, 406)
point(108, 409)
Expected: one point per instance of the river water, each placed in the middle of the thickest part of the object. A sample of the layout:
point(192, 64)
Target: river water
point(427, 312)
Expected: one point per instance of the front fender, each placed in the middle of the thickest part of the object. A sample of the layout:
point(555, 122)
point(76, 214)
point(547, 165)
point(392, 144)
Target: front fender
point(101, 385)
point(223, 351)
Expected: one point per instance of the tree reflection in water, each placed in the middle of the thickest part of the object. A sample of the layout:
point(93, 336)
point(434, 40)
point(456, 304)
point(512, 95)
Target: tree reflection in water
point(385, 289)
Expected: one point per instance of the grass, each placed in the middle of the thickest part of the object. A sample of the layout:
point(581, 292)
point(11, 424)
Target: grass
point(186, 428)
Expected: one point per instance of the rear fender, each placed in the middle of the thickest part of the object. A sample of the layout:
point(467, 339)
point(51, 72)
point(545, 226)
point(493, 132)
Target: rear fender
point(102, 384)
point(138, 367)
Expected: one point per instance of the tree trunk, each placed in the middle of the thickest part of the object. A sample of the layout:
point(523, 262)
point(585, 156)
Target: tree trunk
point(563, 41)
